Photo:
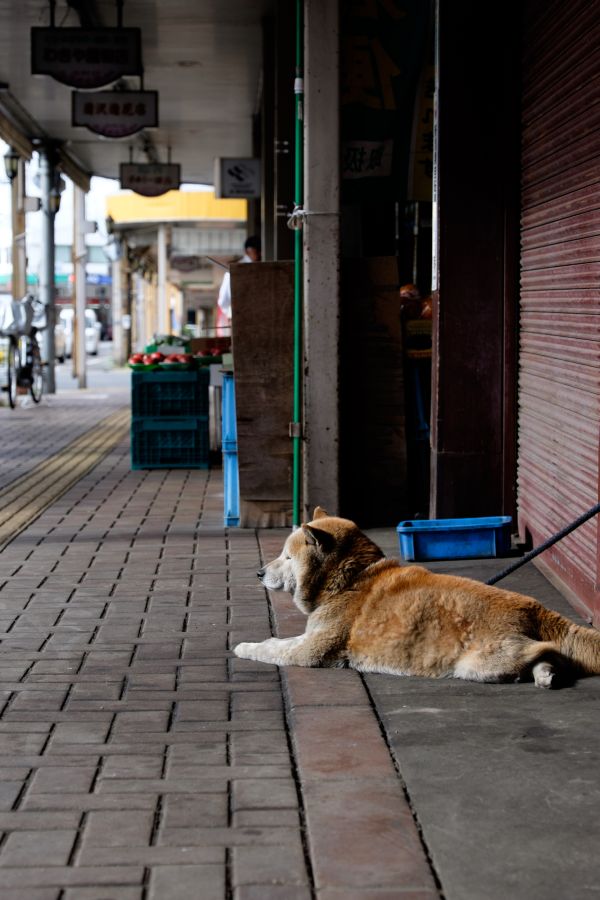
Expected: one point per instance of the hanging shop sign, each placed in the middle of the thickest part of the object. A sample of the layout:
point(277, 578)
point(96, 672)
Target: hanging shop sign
point(115, 114)
point(237, 178)
point(86, 57)
point(150, 179)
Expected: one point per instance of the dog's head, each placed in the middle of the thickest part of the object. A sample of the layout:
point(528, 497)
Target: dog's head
point(324, 554)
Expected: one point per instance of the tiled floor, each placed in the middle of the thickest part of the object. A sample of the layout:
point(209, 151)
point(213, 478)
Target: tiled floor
point(139, 760)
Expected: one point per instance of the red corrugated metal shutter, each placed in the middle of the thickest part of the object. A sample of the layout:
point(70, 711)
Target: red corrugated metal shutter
point(559, 378)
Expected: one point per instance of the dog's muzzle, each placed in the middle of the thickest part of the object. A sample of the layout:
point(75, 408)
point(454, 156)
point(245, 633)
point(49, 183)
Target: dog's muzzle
point(261, 574)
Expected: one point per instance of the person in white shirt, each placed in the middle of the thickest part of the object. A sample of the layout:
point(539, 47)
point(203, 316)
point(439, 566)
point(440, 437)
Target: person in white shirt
point(251, 254)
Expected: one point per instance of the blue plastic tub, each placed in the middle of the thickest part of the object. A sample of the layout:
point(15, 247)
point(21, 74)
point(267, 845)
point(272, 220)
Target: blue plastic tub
point(454, 538)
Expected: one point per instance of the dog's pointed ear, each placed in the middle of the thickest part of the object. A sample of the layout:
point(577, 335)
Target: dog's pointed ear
point(320, 513)
point(317, 537)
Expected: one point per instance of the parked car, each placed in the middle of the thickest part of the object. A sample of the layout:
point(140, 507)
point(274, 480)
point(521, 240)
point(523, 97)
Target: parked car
point(60, 341)
point(92, 331)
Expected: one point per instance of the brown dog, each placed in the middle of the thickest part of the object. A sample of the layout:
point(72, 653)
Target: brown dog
point(376, 615)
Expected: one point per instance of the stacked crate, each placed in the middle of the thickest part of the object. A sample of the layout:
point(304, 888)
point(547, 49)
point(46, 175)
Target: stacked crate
point(231, 484)
point(169, 419)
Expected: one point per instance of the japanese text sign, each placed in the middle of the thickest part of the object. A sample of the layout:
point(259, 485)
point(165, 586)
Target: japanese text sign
point(86, 57)
point(150, 179)
point(115, 114)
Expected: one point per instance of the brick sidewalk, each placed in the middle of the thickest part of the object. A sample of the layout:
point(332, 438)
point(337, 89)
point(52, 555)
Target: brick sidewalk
point(140, 760)
point(30, 434)
point(138, 757)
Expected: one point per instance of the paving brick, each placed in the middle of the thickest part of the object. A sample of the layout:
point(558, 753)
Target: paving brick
point(340, 742)
point(253, 746)
point(202, 711)
point(118, 828)
point(132, 766)
point(185, 882)
point(283, 865)
point(17, 820)
point(246, 701)
point(195, 810)
point(324, 687)
point(92, 876)
point(62, 780)
point(140, 721)
point(398, 893)
point(284, 818)
point(37, 848)
point(84, 802)
point(209, 754)
point(273, 892)
point(68, 734)
point(19, 743)
point(13, 773)
point(230, 837)
point(99, 893)
point(150, 856)
point(338, 810)
point(31, 893)
point(264, 794)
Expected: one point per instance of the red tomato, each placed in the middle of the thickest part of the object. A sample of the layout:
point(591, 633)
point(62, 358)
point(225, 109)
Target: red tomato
point(156, 357)
point(136, 358)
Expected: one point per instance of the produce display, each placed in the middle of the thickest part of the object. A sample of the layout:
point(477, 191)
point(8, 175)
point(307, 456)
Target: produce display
point(171, 352)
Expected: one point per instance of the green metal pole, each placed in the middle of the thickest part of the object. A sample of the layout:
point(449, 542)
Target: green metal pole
point(298, 197)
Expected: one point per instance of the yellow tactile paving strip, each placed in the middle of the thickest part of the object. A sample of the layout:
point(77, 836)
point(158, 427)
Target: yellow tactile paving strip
point(30, 495)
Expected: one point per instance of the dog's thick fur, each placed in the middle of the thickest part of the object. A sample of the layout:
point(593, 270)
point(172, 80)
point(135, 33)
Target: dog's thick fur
point(377, 615)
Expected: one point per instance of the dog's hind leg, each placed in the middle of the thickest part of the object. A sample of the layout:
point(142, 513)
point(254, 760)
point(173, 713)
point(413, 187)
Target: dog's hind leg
point(511, 659)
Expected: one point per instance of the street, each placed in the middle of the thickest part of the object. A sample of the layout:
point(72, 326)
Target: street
point(100, 371)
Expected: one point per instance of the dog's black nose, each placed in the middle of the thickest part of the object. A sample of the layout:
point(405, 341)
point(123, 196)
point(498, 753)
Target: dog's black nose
point(260, 573)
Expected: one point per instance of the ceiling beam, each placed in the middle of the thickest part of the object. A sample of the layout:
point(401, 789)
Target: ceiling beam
point(15, 137)
point(73, 170)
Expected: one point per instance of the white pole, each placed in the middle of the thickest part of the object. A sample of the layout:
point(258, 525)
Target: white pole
point(79, 253)
point(161, 298)
point(47, 294)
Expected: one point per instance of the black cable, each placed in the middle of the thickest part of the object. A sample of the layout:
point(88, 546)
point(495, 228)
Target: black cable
point(548, 543)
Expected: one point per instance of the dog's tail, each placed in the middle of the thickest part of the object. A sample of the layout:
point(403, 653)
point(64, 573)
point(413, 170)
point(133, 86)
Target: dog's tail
point(577, 643)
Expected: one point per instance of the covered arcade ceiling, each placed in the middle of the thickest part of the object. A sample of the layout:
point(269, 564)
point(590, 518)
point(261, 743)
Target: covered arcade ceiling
point(202, 56)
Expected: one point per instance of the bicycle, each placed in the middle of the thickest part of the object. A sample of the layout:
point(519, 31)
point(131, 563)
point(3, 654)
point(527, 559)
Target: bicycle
point(25, 370)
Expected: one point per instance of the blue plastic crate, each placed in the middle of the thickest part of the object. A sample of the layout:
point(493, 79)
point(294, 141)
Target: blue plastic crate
point(231, 489)
point(170, 443)
point(163, 393)
point(228, 414)
point(454, 538)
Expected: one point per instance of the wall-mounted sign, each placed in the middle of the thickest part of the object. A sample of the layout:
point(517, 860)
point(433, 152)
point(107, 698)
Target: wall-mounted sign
point(237, 178)
point(367, 159)
point(150, 179)
point(86, 57)
point(115, 114)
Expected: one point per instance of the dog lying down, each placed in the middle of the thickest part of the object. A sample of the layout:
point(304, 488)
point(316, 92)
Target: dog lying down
point(377, 615)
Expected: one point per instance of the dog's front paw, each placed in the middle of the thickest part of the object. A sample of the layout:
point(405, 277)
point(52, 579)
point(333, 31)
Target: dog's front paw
point(246, 651)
